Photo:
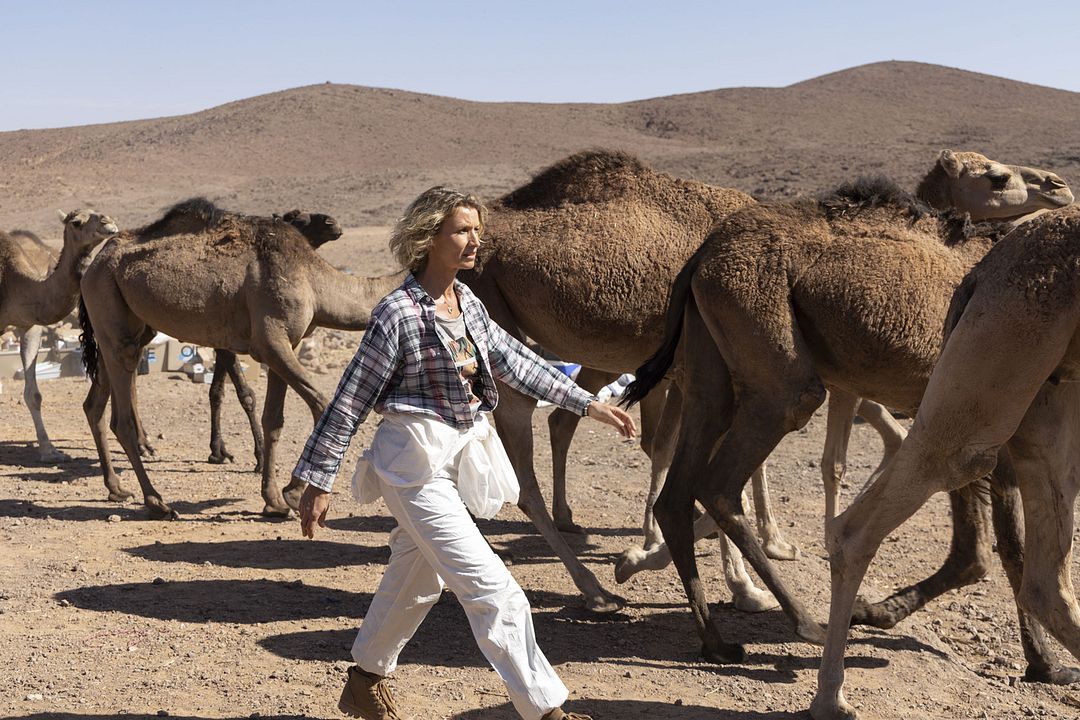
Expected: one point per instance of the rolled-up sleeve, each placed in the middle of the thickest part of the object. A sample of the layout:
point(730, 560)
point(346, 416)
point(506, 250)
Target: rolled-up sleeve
point(364, 382)
point(525, 371)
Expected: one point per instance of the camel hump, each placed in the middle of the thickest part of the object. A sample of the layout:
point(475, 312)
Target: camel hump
point(188, 216)
point(585, 177)
point(867, 193)
point(29, 236)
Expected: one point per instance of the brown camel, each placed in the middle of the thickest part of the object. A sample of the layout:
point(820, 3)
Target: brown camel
point(782, 300)
point(579, 259)
point(38, 289)
point(249, 285)
point(1008, 381)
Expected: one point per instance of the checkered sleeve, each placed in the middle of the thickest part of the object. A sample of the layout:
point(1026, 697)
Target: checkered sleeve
point(364, 382)
point(525, 371)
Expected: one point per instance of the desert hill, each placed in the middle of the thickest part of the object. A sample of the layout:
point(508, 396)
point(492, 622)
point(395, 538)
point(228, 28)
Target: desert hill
point(361, 153)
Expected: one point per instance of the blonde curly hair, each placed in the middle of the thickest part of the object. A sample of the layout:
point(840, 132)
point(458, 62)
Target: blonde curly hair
point(414, 231)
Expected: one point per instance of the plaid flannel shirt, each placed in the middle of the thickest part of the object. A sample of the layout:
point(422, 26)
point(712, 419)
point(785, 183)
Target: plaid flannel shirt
point(402, 365)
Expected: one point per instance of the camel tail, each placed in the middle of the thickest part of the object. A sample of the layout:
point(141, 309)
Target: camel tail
point(652, 372)
point(90, 350)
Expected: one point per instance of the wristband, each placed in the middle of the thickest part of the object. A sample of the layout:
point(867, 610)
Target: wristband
point(585, 410)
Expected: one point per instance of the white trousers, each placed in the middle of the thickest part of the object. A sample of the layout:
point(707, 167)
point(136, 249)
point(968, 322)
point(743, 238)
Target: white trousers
point(436, 542)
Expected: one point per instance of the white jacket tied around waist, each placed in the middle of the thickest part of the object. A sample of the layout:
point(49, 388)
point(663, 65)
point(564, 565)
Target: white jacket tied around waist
point(408, 449)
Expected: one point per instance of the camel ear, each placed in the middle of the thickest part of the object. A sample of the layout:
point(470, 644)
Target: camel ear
point(63, 215)
point(950, 163)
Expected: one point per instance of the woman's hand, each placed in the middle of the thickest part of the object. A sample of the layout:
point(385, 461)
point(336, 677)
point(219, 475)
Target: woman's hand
point(313, 506)
point(611, 415)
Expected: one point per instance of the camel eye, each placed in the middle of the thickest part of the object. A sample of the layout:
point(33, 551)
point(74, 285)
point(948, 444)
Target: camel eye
point(998, 182)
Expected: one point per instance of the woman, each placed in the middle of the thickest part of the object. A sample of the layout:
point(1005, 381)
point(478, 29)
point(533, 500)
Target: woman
point(428, 363)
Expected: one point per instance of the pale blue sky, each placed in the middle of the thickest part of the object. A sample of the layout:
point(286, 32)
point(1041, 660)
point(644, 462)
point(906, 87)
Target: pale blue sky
point(73, 63)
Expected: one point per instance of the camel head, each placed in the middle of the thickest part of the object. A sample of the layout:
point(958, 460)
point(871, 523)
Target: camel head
point(85, 229)
point(989, 190)
point(318, 228)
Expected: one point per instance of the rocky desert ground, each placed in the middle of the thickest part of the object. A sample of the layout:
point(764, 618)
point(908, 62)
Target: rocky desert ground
point(225, 614)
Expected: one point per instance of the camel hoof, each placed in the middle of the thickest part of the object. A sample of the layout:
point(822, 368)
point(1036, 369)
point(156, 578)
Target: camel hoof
point(828, 710)
point(160, 511)
point(625, 568)
point(1057, 675)
point(781, 550)
point(811, 632)
point(52, 456)
point(276, 511)
point(292, 495)
point(725, 654)
point(119, 495)
point(258, 466)
point(569, 526)
point(146, 450)
point(220, 458)
point(605, 604)
point(755, 601)
point(873, 615)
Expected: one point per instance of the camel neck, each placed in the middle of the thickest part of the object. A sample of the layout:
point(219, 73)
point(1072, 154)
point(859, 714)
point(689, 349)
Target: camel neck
point(59, 291)
point(345, 302)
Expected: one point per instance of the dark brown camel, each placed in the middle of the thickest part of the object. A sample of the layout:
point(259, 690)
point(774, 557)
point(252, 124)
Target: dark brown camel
point(781, 301)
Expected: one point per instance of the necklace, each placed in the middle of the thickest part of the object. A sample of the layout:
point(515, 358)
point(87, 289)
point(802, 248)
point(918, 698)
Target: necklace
point(450, 309)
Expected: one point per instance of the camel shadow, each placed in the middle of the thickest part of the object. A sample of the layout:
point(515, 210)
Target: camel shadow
point(242, 602)
point(639, 710)
point(25, 464)
point(265, 554)
point(363, 523)
point(142, 716)
point(102, 510)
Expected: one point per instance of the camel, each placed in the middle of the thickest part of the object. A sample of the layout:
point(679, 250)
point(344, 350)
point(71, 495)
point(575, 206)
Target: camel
point(250, 285)
point(579, 259)
point(319, 229)
point(783, 300)
point(37, 289)
point(1007, 383)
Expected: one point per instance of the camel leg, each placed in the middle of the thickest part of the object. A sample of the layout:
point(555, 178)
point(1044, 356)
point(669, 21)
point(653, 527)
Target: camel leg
point(285, 371)
point(1046, 455)
point(658, 438)
point(674, 512)
point(772, 541)
point(657, 557)
point(94, 408)
point(29, 342)
point(225, 365)
point(218, 454)
point(777, 391)
point(968, 562)
point(892, 433)
point(513, 421)
point(853, 539)
point(1043, 665)
point(120, 366)
point(841, 412)
point(744, 594)
point(561, 427)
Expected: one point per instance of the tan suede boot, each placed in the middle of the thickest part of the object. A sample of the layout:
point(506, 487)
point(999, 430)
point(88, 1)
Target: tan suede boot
point(367, 695)
point(558, 714)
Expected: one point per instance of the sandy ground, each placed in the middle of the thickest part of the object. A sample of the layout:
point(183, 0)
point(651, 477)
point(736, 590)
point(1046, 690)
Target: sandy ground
point(226, 614)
